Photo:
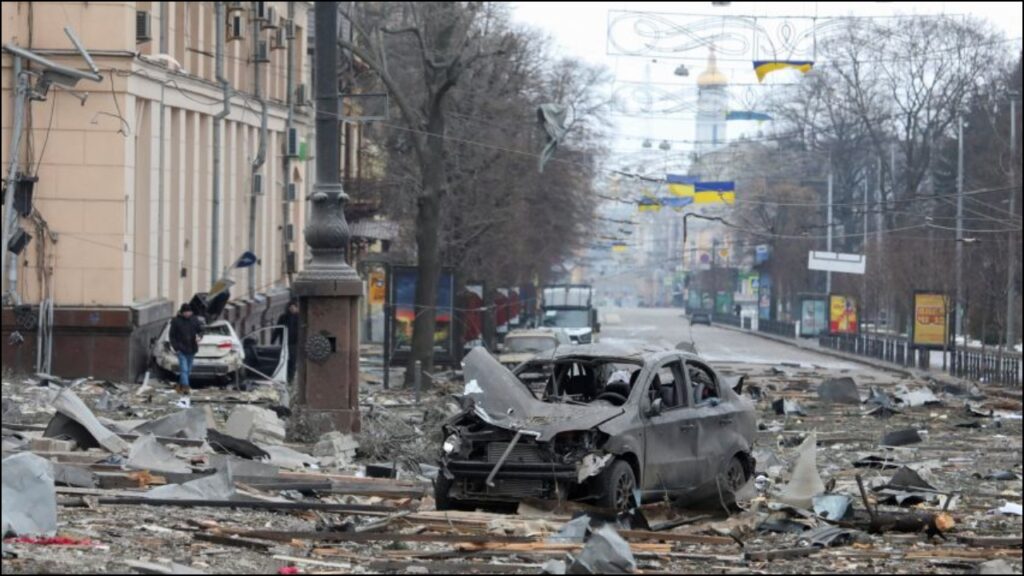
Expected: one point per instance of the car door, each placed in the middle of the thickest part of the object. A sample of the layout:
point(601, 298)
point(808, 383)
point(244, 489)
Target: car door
point(271, 361)
point(671, 441)
point(712, 419)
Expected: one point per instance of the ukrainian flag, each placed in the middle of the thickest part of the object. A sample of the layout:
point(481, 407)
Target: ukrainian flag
point(715, 193)
point(677, 202)
point(648, 205)
point(682, 186)
point(618, 247)
point(764, 67)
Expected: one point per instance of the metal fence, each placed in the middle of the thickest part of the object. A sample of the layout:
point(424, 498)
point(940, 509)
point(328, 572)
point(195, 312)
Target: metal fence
point(971, 363)
point(777, 327)
point(986, 366)
point(891, 349)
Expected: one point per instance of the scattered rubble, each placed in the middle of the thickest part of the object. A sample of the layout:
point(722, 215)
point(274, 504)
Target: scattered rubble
point(137, 485)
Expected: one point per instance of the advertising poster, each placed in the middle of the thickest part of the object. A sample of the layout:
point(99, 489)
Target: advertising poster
point(813, 317)
point(764, 297)
point(930, 320)
point(842, 315)
point(404, 294)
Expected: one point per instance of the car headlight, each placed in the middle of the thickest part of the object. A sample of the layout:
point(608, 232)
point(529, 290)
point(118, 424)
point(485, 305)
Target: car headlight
point(451, 444)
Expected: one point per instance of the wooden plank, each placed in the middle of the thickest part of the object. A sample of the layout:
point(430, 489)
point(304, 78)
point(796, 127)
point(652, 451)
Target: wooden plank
point(285, 536)
point(674, 537)
point(231, 541)
point(779, 554)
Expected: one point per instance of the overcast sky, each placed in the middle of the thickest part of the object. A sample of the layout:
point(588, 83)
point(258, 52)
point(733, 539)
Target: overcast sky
point(581, 29)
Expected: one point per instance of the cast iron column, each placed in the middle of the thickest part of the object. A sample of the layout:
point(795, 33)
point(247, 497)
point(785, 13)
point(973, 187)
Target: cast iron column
point(328, 288)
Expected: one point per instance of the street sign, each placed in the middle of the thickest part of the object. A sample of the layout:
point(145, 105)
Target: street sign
point(836, 262)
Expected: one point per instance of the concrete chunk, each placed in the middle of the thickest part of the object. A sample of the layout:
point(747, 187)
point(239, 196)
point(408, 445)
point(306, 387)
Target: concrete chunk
point(29, 496)
point(336, 449)
point(255, 424)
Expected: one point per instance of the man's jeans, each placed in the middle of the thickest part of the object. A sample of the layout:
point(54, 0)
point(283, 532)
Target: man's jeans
point(185, 362)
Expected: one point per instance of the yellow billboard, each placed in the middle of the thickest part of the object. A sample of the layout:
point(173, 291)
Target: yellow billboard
point(930, 320)
point(842, 315)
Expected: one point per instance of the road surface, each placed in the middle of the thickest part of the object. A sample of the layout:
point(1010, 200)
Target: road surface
point(668, 326)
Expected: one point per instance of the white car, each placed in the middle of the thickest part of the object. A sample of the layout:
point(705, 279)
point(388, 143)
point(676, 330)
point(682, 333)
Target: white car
point(225, 357)
point(523, 345)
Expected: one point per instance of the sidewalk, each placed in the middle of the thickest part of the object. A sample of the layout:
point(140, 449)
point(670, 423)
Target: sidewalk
point(813, 346)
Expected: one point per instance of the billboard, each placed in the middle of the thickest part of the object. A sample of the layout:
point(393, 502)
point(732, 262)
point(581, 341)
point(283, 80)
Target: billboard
point(403, 293)
point(931, 320)
point(813, 317)
point(842, 315)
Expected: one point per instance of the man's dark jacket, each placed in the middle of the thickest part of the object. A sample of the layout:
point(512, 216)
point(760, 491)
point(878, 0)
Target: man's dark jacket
point(291, 322)
point(184, 332)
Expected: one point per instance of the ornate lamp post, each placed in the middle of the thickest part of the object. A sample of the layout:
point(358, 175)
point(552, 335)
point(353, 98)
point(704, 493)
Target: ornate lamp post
point(328, 288)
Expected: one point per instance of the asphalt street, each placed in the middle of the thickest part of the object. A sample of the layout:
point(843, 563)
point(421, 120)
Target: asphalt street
point(669, 327)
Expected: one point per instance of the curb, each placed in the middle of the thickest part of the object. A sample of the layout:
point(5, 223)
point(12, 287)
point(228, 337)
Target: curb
point(901, 370)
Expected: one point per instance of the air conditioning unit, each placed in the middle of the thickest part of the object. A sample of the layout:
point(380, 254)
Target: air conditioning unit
point(300, 95)
point(291, 148)
point(261, 10)
point(262, 53)
point(271, 20)
point(143, 26)
point(257, 184)
point(235, 7)
point(291, 191)
point(235, 27)
point(277, 41)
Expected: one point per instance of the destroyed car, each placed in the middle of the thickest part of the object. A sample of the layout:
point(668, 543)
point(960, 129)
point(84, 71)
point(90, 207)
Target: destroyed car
point(223, 356)
point(608, 421)
point(522, 345)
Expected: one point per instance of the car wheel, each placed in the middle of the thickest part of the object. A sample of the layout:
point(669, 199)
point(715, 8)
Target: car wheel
point(617, 484)
point(735, 475)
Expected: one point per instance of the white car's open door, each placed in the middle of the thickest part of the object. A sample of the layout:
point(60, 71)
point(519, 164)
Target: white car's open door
point(270, 346)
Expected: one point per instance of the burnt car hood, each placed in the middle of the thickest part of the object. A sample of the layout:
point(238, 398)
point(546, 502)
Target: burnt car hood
point(502, 400)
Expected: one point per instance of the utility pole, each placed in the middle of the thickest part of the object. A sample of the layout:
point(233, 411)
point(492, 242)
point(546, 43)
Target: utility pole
point(1012, 314)
point(828, 225)
point(958, 301)
point(328, 288)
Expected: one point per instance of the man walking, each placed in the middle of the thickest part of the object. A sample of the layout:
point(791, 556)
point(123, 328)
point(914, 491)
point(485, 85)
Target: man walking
point(290, 320)
point(185, 335)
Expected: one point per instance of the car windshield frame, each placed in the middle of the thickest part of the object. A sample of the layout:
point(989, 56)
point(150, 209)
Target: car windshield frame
point(548, 365)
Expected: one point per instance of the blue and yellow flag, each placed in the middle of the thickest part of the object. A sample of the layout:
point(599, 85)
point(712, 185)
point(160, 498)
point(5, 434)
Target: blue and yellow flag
point(680, 185)
point(764, 67)
point(648, 205)
point(676, 202)
point(618, 246)
point(715, 193)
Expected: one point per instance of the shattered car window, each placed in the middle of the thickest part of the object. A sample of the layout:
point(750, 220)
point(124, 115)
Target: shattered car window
point(587, 381)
